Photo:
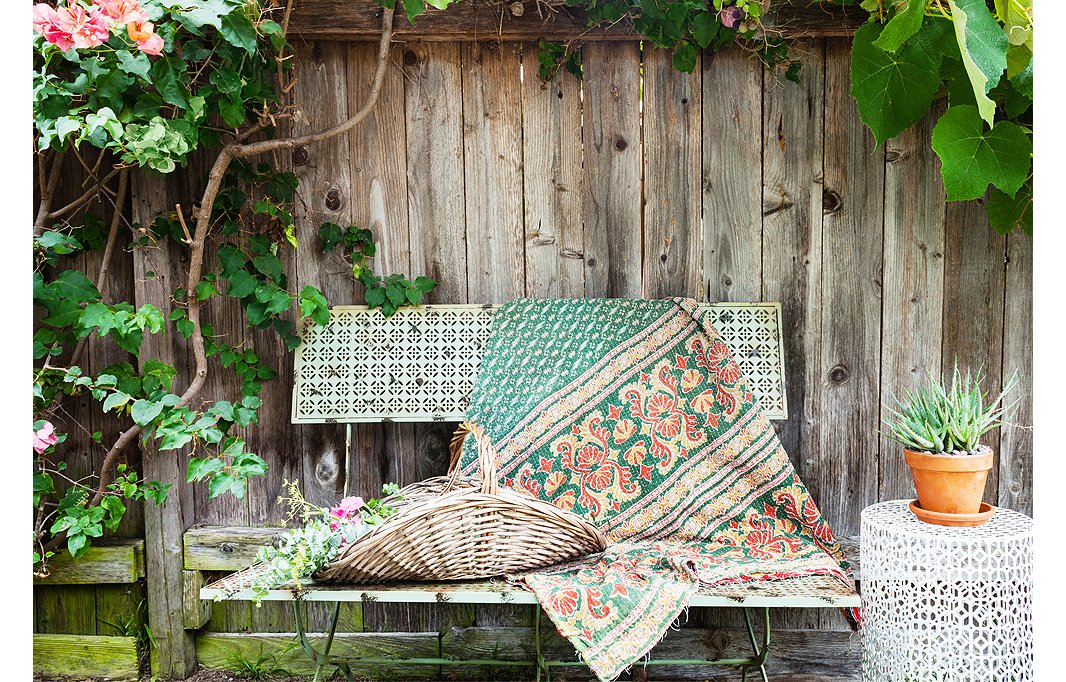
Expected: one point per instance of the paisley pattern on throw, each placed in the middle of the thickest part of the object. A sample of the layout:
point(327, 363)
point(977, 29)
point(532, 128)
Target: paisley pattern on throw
point(634, 415)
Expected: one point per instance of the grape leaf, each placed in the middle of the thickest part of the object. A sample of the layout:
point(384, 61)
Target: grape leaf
point(892, 91)
point(972, 157)
point(983, 44)
point(902, 26)
point(1006, 213)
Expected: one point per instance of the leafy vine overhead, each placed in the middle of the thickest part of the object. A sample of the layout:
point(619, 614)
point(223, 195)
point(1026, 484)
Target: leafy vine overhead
point(141, 86)
point(684, 26)
point(976, 55)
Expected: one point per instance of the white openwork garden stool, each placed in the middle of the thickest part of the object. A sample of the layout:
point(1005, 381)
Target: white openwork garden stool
point(946, 604)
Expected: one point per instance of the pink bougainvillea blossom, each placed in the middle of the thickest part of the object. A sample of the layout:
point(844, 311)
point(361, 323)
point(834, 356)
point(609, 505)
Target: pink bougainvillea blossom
point(346, 509)
point(86, 28)
point(44, 22)
point(44, 438)
point(143, 33)
point(122, 11)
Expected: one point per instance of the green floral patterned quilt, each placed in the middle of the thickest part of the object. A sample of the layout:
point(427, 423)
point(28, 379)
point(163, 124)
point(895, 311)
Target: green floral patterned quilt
point(633, 414)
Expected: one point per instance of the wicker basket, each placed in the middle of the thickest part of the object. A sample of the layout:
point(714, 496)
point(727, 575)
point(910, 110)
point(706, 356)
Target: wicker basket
point(453, 528)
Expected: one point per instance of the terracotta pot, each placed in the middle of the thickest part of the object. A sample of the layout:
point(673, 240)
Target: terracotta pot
point(949, 484)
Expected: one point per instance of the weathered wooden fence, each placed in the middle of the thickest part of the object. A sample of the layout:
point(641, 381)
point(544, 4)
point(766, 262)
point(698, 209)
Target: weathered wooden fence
point(725, 184)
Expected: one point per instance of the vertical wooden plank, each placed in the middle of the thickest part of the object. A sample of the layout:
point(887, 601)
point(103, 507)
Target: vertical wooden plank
point(174, 653)
point(435, 176)
point(673, 233)
point(1016, 438)
point(913, 288)
point(612, 188)
point(844, 475)
point(792, 257)
point(792, 217)
point(552, 181)
point(974, 270)
point(66, 609)
point(377, 151)
point(732, 169)
point(492, 145)
point(324, 196)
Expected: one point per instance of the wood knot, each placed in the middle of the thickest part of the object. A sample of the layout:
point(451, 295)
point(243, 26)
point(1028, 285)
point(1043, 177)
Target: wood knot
point(409, 57)
point(830, 201)
point(333, 199)
point(620, 144)
point(893, 155)
point(299, 156)
point(591, 262)
point(227, 548)
point(727, 281)
point(839, 374)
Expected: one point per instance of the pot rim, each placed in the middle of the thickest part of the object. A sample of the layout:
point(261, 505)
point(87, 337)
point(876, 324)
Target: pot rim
point(942, 461)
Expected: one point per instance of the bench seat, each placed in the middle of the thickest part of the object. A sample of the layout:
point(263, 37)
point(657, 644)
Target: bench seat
point(813, 591)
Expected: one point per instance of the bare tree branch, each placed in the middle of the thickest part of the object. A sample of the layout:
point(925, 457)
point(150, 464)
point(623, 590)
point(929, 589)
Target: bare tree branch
point(47, 193)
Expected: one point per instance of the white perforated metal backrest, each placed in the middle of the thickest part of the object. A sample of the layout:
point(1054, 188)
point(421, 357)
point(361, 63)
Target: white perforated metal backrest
point(419, 365)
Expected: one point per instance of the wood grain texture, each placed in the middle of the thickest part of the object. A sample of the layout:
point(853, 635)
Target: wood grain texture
point(552, 184)
point(108, 658)
point(195, 611)
point(791, 239)
point(174, 654)
point(492, 122)
point(1016, 437)
point(913, 285)
point(673, 234)
point(324, 196)
point(280, 654)
point(436, 200)
point(483, 20)
point(822, 656)
point(119, 561)
point(613, 167)
point(732, 175)
point(974, 269)
point(843, 478)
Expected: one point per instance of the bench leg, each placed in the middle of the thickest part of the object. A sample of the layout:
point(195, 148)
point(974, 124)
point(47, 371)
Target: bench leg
point(760, 653)
point(321, 659)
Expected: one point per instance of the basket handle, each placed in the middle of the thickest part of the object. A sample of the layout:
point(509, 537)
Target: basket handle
point(486, 456)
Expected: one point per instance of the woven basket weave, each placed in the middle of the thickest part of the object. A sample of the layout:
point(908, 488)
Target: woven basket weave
point(453, 528)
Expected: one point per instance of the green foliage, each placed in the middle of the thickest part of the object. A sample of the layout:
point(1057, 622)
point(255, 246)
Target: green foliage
point(217, 56)
point(388, 293)
point(941, 419)
point(324, 532)
point(913, 53)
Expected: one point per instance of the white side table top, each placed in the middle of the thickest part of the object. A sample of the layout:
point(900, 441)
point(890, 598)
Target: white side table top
point(895, 516)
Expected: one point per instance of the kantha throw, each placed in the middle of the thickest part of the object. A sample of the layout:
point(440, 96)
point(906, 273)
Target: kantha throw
point(634, 415)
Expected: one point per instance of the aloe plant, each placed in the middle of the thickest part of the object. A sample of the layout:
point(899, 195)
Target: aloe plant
point(938, 418)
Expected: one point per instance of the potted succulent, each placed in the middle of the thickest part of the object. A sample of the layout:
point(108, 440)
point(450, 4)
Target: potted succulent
point(940, 428)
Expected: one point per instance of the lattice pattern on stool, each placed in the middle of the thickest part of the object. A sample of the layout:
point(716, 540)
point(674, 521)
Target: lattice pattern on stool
point(420, 364)
point(946, 604)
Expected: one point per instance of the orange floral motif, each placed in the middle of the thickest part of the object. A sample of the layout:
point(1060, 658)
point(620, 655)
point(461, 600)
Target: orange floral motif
point(674, 430)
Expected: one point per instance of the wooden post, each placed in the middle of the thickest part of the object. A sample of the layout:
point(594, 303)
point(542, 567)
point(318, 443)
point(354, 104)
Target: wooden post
point(157, 272)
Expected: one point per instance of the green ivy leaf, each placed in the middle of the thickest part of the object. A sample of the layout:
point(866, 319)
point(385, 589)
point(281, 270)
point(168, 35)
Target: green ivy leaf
point(134, 64)
point(1007, 214)
point(201, 467)
point(904, 24)
point(145, 411)
point(972, 158)
point(983, 44)
point(331, 234)
point(412, 8)
point(116, 399)
point(375, 296)
point(238, 31)
point(892, 91)
point(241, 284)
point(705, 26)
point(269, 265)
point(74, 285)
point(313, 304)
point(166, 77)
point(223, 483)
point(684, 58)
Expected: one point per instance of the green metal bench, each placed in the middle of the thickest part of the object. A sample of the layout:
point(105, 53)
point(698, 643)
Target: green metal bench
point(419, 365)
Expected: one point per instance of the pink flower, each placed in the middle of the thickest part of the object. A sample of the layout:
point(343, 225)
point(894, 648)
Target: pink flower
point(145, 36)
point(122, 11)
point(44, 438)
point(84, 28)
point(346, 509)
point(44, 22)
